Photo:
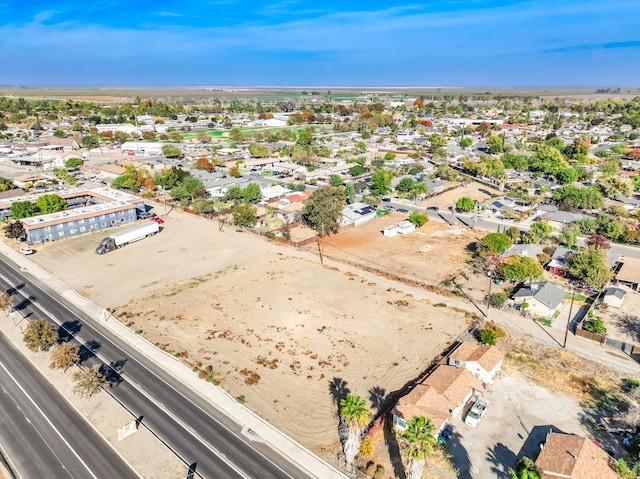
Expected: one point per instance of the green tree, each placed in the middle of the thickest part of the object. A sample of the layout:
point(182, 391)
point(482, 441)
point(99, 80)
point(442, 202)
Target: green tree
point(595, 325)
point(417, 442)
point(526, 469)
point(465, 142)
point(487, 336)
point(189, 189)
point(89, 381)
point(494, 143)
point(74, 163)
point(40, 335)
point(203, 206)
point(258, 151)
point(465, 204)
point(23, 209)
point(406, 184)
point(335, 180)
point(380, 182)
point(51, 203)
point(350, 192)
point(245, 215)
point(519, 268)
point(171, 177)
point(496, 242)
point(498, 300)
point(613, 186)
point(6, 184)
point(513, 233)
point(418, 219)
point(252, 193)
point(356, 170)
point(589, 265)
point(541, 229)
point(305, 138)
point(131, 180)
point(90, 141)
point(354, 415)
point(569, 235)
point(59, 133)
point(64, 355)
point(323, 210)
point(171, 151)
point(419, 188)
point(234, 193)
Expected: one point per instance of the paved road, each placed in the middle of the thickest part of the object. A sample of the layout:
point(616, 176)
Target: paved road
point(202, 436)
point(42, 434)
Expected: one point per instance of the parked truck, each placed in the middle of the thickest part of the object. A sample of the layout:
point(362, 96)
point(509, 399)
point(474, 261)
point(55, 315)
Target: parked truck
point(121, 238)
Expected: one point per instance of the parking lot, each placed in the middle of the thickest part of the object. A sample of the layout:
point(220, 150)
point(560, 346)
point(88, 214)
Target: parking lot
point(518, 418)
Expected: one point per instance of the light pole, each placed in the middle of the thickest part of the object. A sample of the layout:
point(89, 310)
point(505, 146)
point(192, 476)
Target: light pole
point(566, 331)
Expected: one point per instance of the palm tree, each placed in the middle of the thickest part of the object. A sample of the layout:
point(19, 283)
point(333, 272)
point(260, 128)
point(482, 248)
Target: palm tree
point(417, 442)
point(354, 414)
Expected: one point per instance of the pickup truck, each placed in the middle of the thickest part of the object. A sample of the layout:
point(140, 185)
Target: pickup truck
point(476, 412)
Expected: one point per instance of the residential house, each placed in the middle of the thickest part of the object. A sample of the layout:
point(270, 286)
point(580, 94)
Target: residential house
point(573, 457)
point(543, 298)
point(500, 204)
point(543, 209)
point(629, 274)
point(435, 186)
point(404, 228)
point(358, 214)
point(560, 219)
point(529, 250)
point(441, 395)
point(141, 148)
point(484, 361)
point(559, 260)
point(110, 172)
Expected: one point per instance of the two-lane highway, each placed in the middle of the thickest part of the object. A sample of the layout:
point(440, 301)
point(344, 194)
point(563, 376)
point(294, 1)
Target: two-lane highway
point(42, 434)
point(193, 428)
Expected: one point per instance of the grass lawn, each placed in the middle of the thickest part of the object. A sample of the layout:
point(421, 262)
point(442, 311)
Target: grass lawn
point(577, 297)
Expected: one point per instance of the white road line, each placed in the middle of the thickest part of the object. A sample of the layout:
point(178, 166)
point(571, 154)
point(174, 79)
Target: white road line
point(49, 422)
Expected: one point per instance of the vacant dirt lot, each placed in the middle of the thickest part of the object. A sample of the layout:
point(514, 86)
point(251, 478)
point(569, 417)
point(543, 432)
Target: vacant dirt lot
point(279, 329)
point(430, 254)
point(475, 191)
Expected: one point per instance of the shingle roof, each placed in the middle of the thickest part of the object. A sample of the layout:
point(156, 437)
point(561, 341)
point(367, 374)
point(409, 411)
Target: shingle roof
point(546, 292)
point(487, 356)
point(530, 250)
point(574, 457)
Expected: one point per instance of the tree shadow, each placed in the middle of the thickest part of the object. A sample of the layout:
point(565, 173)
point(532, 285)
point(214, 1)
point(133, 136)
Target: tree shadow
point(339, 391)
point(393, 447)
point(378, 400)
point(68, 330)
point(627, 324)
point(25, 303)
point(459, 456)
point(112, 372)
point(502, 459)
point(88, 350)
point(15, 289)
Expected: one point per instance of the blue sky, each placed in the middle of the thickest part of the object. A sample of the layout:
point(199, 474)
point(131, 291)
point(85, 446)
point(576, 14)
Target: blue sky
point(334, 43)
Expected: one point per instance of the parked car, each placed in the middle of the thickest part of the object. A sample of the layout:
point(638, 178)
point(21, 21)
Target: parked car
point(157, 219)
point(391, 208)
point(403, 210)
point(476, 412)
point(146, 215)
point(432, 208)
point(27, 251)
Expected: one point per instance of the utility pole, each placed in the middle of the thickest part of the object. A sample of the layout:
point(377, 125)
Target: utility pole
point(320, 242)
point(566, 331)
point(489, 292)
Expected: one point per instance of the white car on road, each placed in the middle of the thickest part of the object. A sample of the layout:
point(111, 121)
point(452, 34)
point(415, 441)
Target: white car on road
point(26, 250)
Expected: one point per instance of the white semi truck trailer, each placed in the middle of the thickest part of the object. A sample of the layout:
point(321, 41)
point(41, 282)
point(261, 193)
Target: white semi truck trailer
point(121, 238)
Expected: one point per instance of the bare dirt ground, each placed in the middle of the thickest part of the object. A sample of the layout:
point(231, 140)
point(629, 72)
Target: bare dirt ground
point(475, 191)
point(430, 254)
point(280, 330)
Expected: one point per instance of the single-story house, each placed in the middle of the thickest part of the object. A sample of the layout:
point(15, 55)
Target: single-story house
point(30, 178)
point(529, 250)
point(614, 296)
point(404, 228)
point(559, 260)
point(499, 205)
point(560, 219)
point(573, 457)
point(435, 186)
point(543, 209)
point(629, 274)
point(543, 298)
point(358, 214)
point(484, 361)
point(441, 395)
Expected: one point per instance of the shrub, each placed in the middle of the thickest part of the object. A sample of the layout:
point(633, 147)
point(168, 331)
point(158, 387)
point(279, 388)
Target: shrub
point(595, 325)
point(202, 375)
point(208, 369)
point(487, 336)
point(440, 305)
point(366, 448)
point(195, 369)
point(241, 399)
point(498, 300)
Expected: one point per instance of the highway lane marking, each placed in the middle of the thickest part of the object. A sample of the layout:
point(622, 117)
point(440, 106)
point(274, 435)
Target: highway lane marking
point(46, 418)
point(106, 362)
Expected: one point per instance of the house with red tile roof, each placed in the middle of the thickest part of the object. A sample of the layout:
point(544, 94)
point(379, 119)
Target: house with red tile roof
point(484, 361)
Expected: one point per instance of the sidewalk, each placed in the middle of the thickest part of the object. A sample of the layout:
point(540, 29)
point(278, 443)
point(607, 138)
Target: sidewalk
point(252, 424)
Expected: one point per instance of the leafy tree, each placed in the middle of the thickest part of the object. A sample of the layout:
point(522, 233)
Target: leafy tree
point(204, 164)
point(40, 335)
point(5, 301)
point(234, 171)
point(589, 265)
point(419, 188)
point(90, 141)
point(613, 229)
point(580, 197)
point(323, 210)
point(513, 233)
point(595, 325)
point(494, 143)
point(498, 300)
point(487, 336)
point(465, 204)
point(356, 170)
point(567, 175)
point(51, 203)
point(417, 442)
point(252, 193)
point(465, 142)
point(418, 219)
point(171, 177)
point(569, 235)
point(189, 189)
point(6, 184)
point(203, 205)
point(130, 180)
point(335, 180)
point(64, 355)
point(23, 209)
point(305, 138)
point(613, 186)
point(89, 381)
point(405, 185)
point(598, 241)
point(354, 414)
point(258, 151)
point(245, 215)
point(381, 182)
point(59, 133)
point(74, 163)
point(526, 469)
point(350, 192)
point(389, 156)
point(171, 151)
point(234, 193)
point(519, 268)
point(541, 229)
point(611, 166)
point(496, 242)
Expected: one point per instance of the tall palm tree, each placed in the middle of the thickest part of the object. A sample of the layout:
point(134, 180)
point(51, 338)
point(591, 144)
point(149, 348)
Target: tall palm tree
point(354, 414)
point(417, 442)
